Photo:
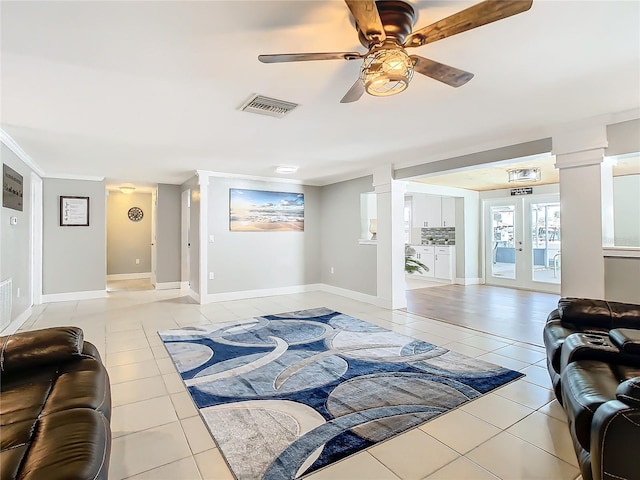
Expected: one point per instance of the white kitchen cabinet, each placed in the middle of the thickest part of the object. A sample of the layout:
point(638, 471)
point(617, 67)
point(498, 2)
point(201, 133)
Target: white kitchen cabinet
point(444, 262)
point(425, 255)
point(433, 211)
point(448, 211)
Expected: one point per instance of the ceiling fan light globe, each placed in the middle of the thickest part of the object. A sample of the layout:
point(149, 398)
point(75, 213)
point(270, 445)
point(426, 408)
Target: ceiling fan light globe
point(385, 85)
point(386, 71)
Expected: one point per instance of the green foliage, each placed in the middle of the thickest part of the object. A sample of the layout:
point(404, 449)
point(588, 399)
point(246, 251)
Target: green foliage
point(411, 264)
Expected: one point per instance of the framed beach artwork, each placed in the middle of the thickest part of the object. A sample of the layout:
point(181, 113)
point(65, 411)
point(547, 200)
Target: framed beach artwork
point(264, 211)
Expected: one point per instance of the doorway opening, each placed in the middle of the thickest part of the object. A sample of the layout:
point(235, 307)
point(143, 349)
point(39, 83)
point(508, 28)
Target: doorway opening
point(523, 244)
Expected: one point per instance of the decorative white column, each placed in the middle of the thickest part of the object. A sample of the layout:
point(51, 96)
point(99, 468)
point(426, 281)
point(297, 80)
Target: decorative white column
point(586, 201)
point(391, 285)
point(203, 182)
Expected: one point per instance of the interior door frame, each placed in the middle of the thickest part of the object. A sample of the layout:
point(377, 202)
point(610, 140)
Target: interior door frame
point(522, 243)
point(185, 243)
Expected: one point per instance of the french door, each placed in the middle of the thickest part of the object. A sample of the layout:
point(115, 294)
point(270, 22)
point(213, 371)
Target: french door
point(522, 242)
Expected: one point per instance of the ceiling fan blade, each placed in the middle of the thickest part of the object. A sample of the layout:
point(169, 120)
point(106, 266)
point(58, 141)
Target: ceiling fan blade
point(441, 72)
point(354, 93)
point(367, 18)
point(302, 57)
point(472, 17)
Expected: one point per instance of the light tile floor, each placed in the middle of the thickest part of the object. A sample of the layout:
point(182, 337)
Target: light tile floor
point(516, 432)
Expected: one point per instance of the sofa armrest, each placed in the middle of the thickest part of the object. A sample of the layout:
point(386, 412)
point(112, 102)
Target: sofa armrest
point(629, 392)
point(626, 339)
point(39, 347)
point(615, 436)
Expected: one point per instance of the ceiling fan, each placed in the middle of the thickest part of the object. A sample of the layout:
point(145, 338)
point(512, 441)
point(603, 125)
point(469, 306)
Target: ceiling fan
point(385, 29)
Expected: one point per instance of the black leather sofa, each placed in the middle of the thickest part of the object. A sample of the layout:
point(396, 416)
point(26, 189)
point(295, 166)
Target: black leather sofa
point(55, 407)
point(593, 358)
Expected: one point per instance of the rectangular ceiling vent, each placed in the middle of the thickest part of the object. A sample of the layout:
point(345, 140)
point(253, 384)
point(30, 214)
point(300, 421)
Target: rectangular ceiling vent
point(268, 106)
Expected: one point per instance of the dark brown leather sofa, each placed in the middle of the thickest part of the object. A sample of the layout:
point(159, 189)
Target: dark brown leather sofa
point(55, 407)
point(593, 358)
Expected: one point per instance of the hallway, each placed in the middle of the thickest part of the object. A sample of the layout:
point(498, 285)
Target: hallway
point(516, 314)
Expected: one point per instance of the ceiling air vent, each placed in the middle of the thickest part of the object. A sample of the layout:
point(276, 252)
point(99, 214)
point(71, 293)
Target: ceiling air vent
point(268, 106)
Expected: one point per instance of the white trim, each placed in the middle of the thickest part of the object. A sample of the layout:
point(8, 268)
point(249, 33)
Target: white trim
point(264, 292)
point(203, 252)
point(207, 173)
point(168, 285)
point(17, 323)
point(69, 176)
point(20, 153)
point(35, 241)
point(128, 276)
point(469, 281)
point(195, 295)
point(72, 296)
point(624, 252)
point(367, 242)
point(184, 285)
point(343, 292)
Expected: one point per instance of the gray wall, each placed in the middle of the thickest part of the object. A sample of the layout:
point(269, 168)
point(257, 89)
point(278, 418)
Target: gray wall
point(73, 258)
point(355, 265)
point(128, 240)
point(623, 137)
point(15, 239)
point(168, 222)
point(622, 279)
point(261, 260)
point(626, 211)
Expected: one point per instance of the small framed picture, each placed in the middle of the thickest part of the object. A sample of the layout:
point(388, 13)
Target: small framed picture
point(74, 211)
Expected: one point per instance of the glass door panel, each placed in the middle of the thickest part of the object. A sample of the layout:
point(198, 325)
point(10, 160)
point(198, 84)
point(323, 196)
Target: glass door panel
point(545, 242)
point(503, 261)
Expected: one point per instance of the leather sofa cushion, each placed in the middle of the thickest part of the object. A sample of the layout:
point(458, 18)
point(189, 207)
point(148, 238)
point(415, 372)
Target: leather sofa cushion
point(70, 444)
point(586, 385)
point(584, 312)
point(554, 335)
point(80, 384)
point(24, 396)
point(626, 339)
point(35, 348)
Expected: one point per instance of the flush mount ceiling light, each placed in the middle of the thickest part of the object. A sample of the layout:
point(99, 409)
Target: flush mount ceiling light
point(524, 175)
point(286, 169)
point(127, 190)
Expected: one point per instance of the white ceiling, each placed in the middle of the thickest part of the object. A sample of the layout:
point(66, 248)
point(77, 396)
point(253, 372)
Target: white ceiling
point(149, 91)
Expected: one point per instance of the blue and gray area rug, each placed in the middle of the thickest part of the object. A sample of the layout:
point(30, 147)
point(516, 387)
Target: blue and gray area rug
point(284, 395)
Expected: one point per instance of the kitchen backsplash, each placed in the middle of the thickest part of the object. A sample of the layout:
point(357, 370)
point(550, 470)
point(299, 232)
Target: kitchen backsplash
point(439, 235)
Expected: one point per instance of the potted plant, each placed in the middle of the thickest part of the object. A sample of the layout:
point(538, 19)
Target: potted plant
point(430, 240)
point(411, 264)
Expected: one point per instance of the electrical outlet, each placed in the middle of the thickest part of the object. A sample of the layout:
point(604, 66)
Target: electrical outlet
point(137, 261)
point(332, 270)
point(18, 292)
point(211, 276)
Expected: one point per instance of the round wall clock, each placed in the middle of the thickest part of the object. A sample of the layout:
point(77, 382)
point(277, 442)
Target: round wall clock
point(135, 214)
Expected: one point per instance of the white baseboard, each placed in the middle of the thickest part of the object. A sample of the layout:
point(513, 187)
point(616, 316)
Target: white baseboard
point(266, 292)
point(128, 276)
point(72, 296)
point(468, 281)
point(168, 285)
point(184, 285)
point(17, 323)
point(361, 297)
point(195, 295)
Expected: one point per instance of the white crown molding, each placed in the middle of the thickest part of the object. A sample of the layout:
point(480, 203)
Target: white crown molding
point(87, 178)
point(239, 176)
point(20, 153)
